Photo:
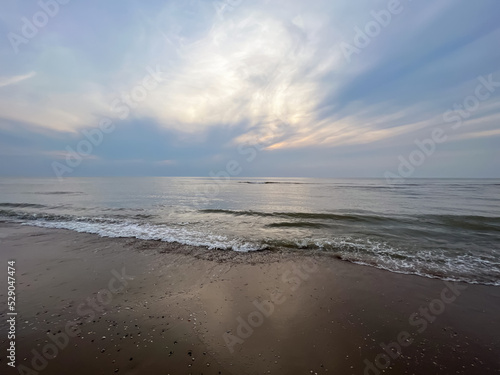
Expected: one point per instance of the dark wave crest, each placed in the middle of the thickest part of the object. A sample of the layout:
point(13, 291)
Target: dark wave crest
point(276, 183)
point(455, 221)
point(298, 215)
point(21, 205)
point(62, 193)
point(299, 224)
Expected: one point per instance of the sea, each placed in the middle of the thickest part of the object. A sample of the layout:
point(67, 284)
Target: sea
point(438, 228)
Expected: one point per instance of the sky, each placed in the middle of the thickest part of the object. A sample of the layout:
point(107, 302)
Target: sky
point(320, 88)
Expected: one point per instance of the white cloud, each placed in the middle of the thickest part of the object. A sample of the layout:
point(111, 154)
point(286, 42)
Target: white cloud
point(255, 70)
point(263, 70)
point(66, 112)
point(7, 81)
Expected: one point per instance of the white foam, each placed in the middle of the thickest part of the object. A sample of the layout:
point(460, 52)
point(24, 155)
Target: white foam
point(433, 264)
point(152, 232)
point(464, 268)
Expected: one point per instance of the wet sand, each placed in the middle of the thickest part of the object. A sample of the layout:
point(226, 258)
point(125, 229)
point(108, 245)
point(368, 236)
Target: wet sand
point(92, 305)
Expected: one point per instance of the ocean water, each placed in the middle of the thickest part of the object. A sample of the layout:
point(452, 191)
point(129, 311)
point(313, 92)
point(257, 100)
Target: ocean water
point(447, 229)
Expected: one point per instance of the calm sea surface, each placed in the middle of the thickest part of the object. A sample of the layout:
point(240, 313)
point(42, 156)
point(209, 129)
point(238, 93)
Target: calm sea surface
point(437, 228)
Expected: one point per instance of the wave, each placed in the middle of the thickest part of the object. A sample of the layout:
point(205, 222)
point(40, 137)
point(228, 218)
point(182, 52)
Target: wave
point(128, 228)
point(474, 222)
point(471, 267)
point(60, 193)
point(276, 183)
point(299, 224)
point(113, 218)
point(22, 205)
point(471, 222)
point(153, 232)
point(297, 215)
point(439, 264)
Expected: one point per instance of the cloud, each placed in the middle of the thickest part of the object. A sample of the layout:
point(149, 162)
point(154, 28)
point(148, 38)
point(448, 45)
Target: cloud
point(7, 81)
point(167, 162)
point(64, 112)
point(255, 70)
point(279, 75)
point(63, 154)
point(267, 72)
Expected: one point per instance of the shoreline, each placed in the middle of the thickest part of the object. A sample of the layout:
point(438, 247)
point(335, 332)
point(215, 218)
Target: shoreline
point(194, 310)
point(261, 255)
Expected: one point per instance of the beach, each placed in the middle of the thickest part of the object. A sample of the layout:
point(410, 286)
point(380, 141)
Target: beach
point(249, 187)
point(88, 304)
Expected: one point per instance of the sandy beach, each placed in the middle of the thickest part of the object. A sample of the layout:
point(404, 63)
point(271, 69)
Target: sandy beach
point(93, 305)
